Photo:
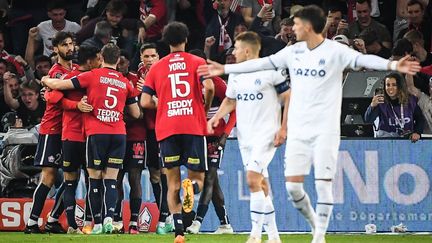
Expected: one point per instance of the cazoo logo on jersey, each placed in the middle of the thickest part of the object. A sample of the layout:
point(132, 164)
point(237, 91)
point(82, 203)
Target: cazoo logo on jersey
point(309, 72)
point(250, 97)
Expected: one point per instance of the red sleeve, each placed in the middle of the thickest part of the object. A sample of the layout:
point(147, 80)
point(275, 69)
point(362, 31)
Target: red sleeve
point(159, 9)
point(84, 79)
point(53, 96)
point(68, 104)
point(220, 87)
point(231, 122)
point(131, 91)
point(149, 82)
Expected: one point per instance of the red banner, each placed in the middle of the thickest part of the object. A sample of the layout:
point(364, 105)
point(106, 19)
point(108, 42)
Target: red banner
point(14, 213)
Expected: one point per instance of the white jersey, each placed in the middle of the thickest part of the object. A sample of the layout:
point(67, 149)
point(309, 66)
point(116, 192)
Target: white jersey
point(47, 32)
point(316, 86)
point(257, 106)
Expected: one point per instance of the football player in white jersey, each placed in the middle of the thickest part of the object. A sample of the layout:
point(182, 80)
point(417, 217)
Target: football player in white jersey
point(255, 97)
point(315, 65)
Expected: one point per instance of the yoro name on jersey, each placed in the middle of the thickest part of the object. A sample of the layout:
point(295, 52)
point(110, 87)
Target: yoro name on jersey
point(180, 108)
point(108, 115)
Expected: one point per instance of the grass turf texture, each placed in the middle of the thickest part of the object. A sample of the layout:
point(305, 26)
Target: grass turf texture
point(6, 237)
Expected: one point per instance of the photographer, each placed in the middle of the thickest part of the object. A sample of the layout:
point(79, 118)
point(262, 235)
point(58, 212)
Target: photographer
point(399, 115)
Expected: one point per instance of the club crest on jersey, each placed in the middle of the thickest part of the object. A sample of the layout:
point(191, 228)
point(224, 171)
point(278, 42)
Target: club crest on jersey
point(258, 82)
point(321, 62)
point(307, 72)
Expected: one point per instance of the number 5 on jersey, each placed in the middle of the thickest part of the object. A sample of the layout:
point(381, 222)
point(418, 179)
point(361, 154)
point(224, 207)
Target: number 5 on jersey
point(176, 84)
point(109, 94)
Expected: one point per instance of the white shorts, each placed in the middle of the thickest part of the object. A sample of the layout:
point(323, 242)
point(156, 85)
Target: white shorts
point(321, 150)
point(257, 158)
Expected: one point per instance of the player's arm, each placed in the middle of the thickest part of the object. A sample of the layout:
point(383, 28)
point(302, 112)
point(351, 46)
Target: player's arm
point(209, 91)
point(60, 84)
point(147, 101)
point(227, 106)
point(134, 111)
point(284, 94)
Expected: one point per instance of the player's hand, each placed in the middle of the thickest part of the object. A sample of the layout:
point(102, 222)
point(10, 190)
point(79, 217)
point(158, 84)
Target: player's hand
point(209, 41)
point(43, 79)
point(83, 106)
point(212, 69)
point(33, 32)
point(376, 100)
point(140, 84)
point(415, 137)
point(406, 65)
point(222, 141)
point(280, 137)
point(213, 122)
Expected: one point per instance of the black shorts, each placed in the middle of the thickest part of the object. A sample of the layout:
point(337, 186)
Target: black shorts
point(135, 156)
point(214, 155)
point(49, 151)
point(105, 150)
point(184, 149)
point(153, 159)
point(73, 155)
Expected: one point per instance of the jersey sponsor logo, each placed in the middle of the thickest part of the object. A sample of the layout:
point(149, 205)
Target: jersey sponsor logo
point(194, 161)
point(321, 62)
point(115, 161)
point(307, 72)
point(180, 108)
point(112, 81)
point(66, 163)
point(108, 115)
point(250, 97)
point(174, 158)
point(138, 148)
point(96, 162)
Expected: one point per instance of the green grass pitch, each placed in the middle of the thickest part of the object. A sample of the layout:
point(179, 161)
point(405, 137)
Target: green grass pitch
point(6, 237)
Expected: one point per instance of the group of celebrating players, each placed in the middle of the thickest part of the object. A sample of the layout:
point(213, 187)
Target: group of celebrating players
point(89, 114)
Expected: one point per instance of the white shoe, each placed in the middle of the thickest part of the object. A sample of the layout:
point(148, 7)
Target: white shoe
point(194, 228)
point(253, 240)
point(117, 227)
point(73, 231)
point(224, 229)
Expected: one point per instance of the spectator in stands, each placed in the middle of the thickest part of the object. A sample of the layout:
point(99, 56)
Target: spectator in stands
point(286, 33)
point(334, 17)
point(221, 29)
point(251, 8)
point(10, 59)
point(424, 101)
point(102, 35)
point(42, 66)
point(153, 15)
point(45, 31)
point(417, 41)
point(190, 12)
point(418, 21)
point(399, 115)
point(372, 44)
point(364, 20)
point(28, 106)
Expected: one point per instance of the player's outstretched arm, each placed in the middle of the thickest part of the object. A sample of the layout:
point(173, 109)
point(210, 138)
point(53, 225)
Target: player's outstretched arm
point(57, 84)
point(209, 91)
point(282, 134)
point(404, 65)
point(211, 69)
point(226, 107)
point(134, 111)
point(408, 65)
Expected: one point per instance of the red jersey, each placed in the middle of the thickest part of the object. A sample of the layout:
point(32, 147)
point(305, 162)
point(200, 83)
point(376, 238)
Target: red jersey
point(73, 127)
point(52, 119)
point(174, 80)
point(108, 92)
point(135, 129)
point(223, 127)
point(149, 114)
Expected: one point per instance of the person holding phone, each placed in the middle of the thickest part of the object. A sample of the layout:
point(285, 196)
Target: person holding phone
point(398, 112)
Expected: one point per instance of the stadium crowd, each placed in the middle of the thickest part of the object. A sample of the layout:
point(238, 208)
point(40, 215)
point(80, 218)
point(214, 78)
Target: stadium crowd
point(62, 39)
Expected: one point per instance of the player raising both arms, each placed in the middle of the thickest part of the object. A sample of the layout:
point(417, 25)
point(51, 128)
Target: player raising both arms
point(315, 66)
point(108, 92)
point(180, 119)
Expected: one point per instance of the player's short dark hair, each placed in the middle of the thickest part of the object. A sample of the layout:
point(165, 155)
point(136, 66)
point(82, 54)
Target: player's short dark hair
point(175, 33)
point(117, 7)
point(414, 2)
point(110, 53)
point(86, 53)
point(198, 53)
point(314, 15)
point(124, 53)
point(363, 1)
point(56, 4)
point(402, 47)
point(148, 45)
point(60, 37)
point(42, 58)
point(251, 38)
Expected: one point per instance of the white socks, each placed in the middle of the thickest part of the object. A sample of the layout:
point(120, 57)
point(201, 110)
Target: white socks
point(301, 201)
point(270, 220)
point(257, 207)
point(323, 209)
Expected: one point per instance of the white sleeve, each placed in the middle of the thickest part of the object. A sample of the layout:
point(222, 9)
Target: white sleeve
point(230, 91)
point(273, 62)
point(279, 76)
point(372, 62)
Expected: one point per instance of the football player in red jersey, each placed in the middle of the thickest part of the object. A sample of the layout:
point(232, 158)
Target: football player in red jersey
point(149, 56)
point(179, 90)
point(135, 157)
point(73, 139)
point(109, 92)
point(48, 152)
